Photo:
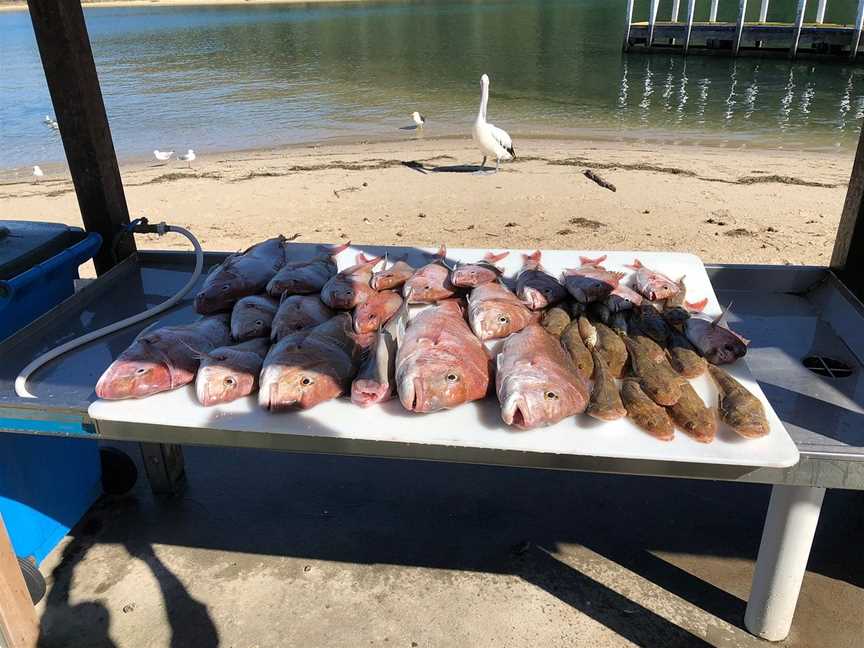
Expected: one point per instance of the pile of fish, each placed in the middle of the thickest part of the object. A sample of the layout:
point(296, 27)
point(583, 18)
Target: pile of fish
point(301, 332)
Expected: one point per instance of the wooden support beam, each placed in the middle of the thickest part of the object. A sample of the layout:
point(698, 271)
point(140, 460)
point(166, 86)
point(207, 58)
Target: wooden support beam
point(856, 36)
point(629, 13)
point(691, 10)
point(652, 20)
point(820, 11)
point(676, 6)
point(64, 46)
point(19, 627)
point(847, 260)
point(712, 14)
point(763, 11)
point(739, 26)
point(799, 22)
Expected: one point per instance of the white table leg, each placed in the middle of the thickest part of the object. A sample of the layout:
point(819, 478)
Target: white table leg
point(786, 540)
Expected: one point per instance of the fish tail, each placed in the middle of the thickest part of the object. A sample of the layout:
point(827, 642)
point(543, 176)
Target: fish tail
point(373, 261)
point(534, 257)
point(442, 251)
point(722, 318)
point(636, 265)
point(589, 261)
point(696, 307)
point(491, 257)
point(333, 250)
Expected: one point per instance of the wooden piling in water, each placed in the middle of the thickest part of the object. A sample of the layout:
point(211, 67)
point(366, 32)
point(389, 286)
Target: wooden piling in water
point(859, 25)
point(691, 9)
point(820, 11)
point(739, 26)
point(629, 23)
point(712, 14)
point(652, 21)
point(799, 23)
point(763, 11)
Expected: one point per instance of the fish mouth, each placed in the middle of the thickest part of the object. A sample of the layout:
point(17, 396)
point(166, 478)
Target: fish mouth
point(411, 395)
point(515, 413)
point(368, 392)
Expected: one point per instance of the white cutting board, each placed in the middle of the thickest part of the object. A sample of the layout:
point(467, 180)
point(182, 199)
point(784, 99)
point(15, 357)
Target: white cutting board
point(479, 425)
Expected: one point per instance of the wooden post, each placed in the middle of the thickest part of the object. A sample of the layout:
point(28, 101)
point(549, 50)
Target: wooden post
point(856, 36)
point(64, 46)
point(676, 5)
point(847, 260)
point(739, 26)
point(763, 11)
point(18, 625)
point(627, 26)
point(799, 22)
point(712, 15)
point(652, 19)
point(691, 9)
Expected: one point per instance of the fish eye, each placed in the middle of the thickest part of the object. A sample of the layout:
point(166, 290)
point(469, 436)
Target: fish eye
point(503, 319)
point(428, 287)
point(306, 381)
point(371, 316)
point(259, 323)
point(229, 381)
point(140, 371)
point(550, 395)
point(452, 378)
point(226, 287)
point(547, 291)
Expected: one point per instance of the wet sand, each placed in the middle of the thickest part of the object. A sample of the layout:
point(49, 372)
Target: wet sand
point(736, 206)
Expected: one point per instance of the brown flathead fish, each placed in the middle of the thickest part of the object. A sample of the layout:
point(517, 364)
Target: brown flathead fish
point(241, 275)
point(536, 381)
point(605, 403)
point(644, 412)
point(164, 359)
point(440, 363)
point(579, 353)
point(683, 357)
point(692, 416)
point(555, 320)
point(656, 377)
point(739, 409)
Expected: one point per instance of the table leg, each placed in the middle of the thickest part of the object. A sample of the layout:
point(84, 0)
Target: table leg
point(165, 467)
point(786, 540)
point(19, 627)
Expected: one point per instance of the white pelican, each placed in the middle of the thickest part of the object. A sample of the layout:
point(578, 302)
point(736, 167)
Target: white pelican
point(188, 156)
point(492, 140)
point(419, 119)
point(162, 156)
point(37, 173)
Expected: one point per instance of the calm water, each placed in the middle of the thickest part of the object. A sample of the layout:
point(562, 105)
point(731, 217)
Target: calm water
point(224, 78)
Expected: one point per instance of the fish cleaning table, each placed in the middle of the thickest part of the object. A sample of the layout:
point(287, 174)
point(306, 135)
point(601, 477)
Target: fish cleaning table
point(789, 313)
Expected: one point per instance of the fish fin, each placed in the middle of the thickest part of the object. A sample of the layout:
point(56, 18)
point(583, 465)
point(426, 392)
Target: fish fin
point(333, 250)
point(146, 330)
point(589, 261)
point(620, 275)
point(362, 259)
point(696, 307)
point(495, 258)
point(442, 252)
point(723, 318)
point(636, 265)
point(198, 355)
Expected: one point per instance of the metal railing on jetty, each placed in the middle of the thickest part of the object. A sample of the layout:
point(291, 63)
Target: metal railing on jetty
point(742, 38)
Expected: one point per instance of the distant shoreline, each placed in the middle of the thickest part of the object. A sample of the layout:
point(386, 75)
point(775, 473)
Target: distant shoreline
point(95, 4)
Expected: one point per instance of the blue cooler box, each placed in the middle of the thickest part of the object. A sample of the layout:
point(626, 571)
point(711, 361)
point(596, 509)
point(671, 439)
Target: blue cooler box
point(46, 483)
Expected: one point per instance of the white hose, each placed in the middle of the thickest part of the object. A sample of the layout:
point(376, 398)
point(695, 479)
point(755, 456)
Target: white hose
point(21, 380)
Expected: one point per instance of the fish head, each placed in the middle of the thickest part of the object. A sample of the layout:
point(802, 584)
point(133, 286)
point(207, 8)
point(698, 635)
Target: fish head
point(344, 294)
point(494, 321)
point(219, 382)
point(250, 322)
point(658, 286)
point(428, 285)
point(366, 392)
point(534, 403)
point(433, 383)
point(219, 293)
point(376, 311)
point(726, 348)
point(134, 378)
point(472, 275)
point(303, 384)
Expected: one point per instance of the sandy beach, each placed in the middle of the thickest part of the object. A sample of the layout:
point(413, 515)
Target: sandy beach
point(737, 206)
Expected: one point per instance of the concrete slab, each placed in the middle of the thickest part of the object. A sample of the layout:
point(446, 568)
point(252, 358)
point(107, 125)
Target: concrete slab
point(267, 549)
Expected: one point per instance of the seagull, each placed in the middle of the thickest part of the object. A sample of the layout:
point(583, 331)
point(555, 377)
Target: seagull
point(419, 119)
point(492, 140)
point(162, 156)
point(189, 157)
point(37, 173)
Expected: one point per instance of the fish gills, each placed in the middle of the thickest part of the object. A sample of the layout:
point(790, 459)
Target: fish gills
point(739, 409)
